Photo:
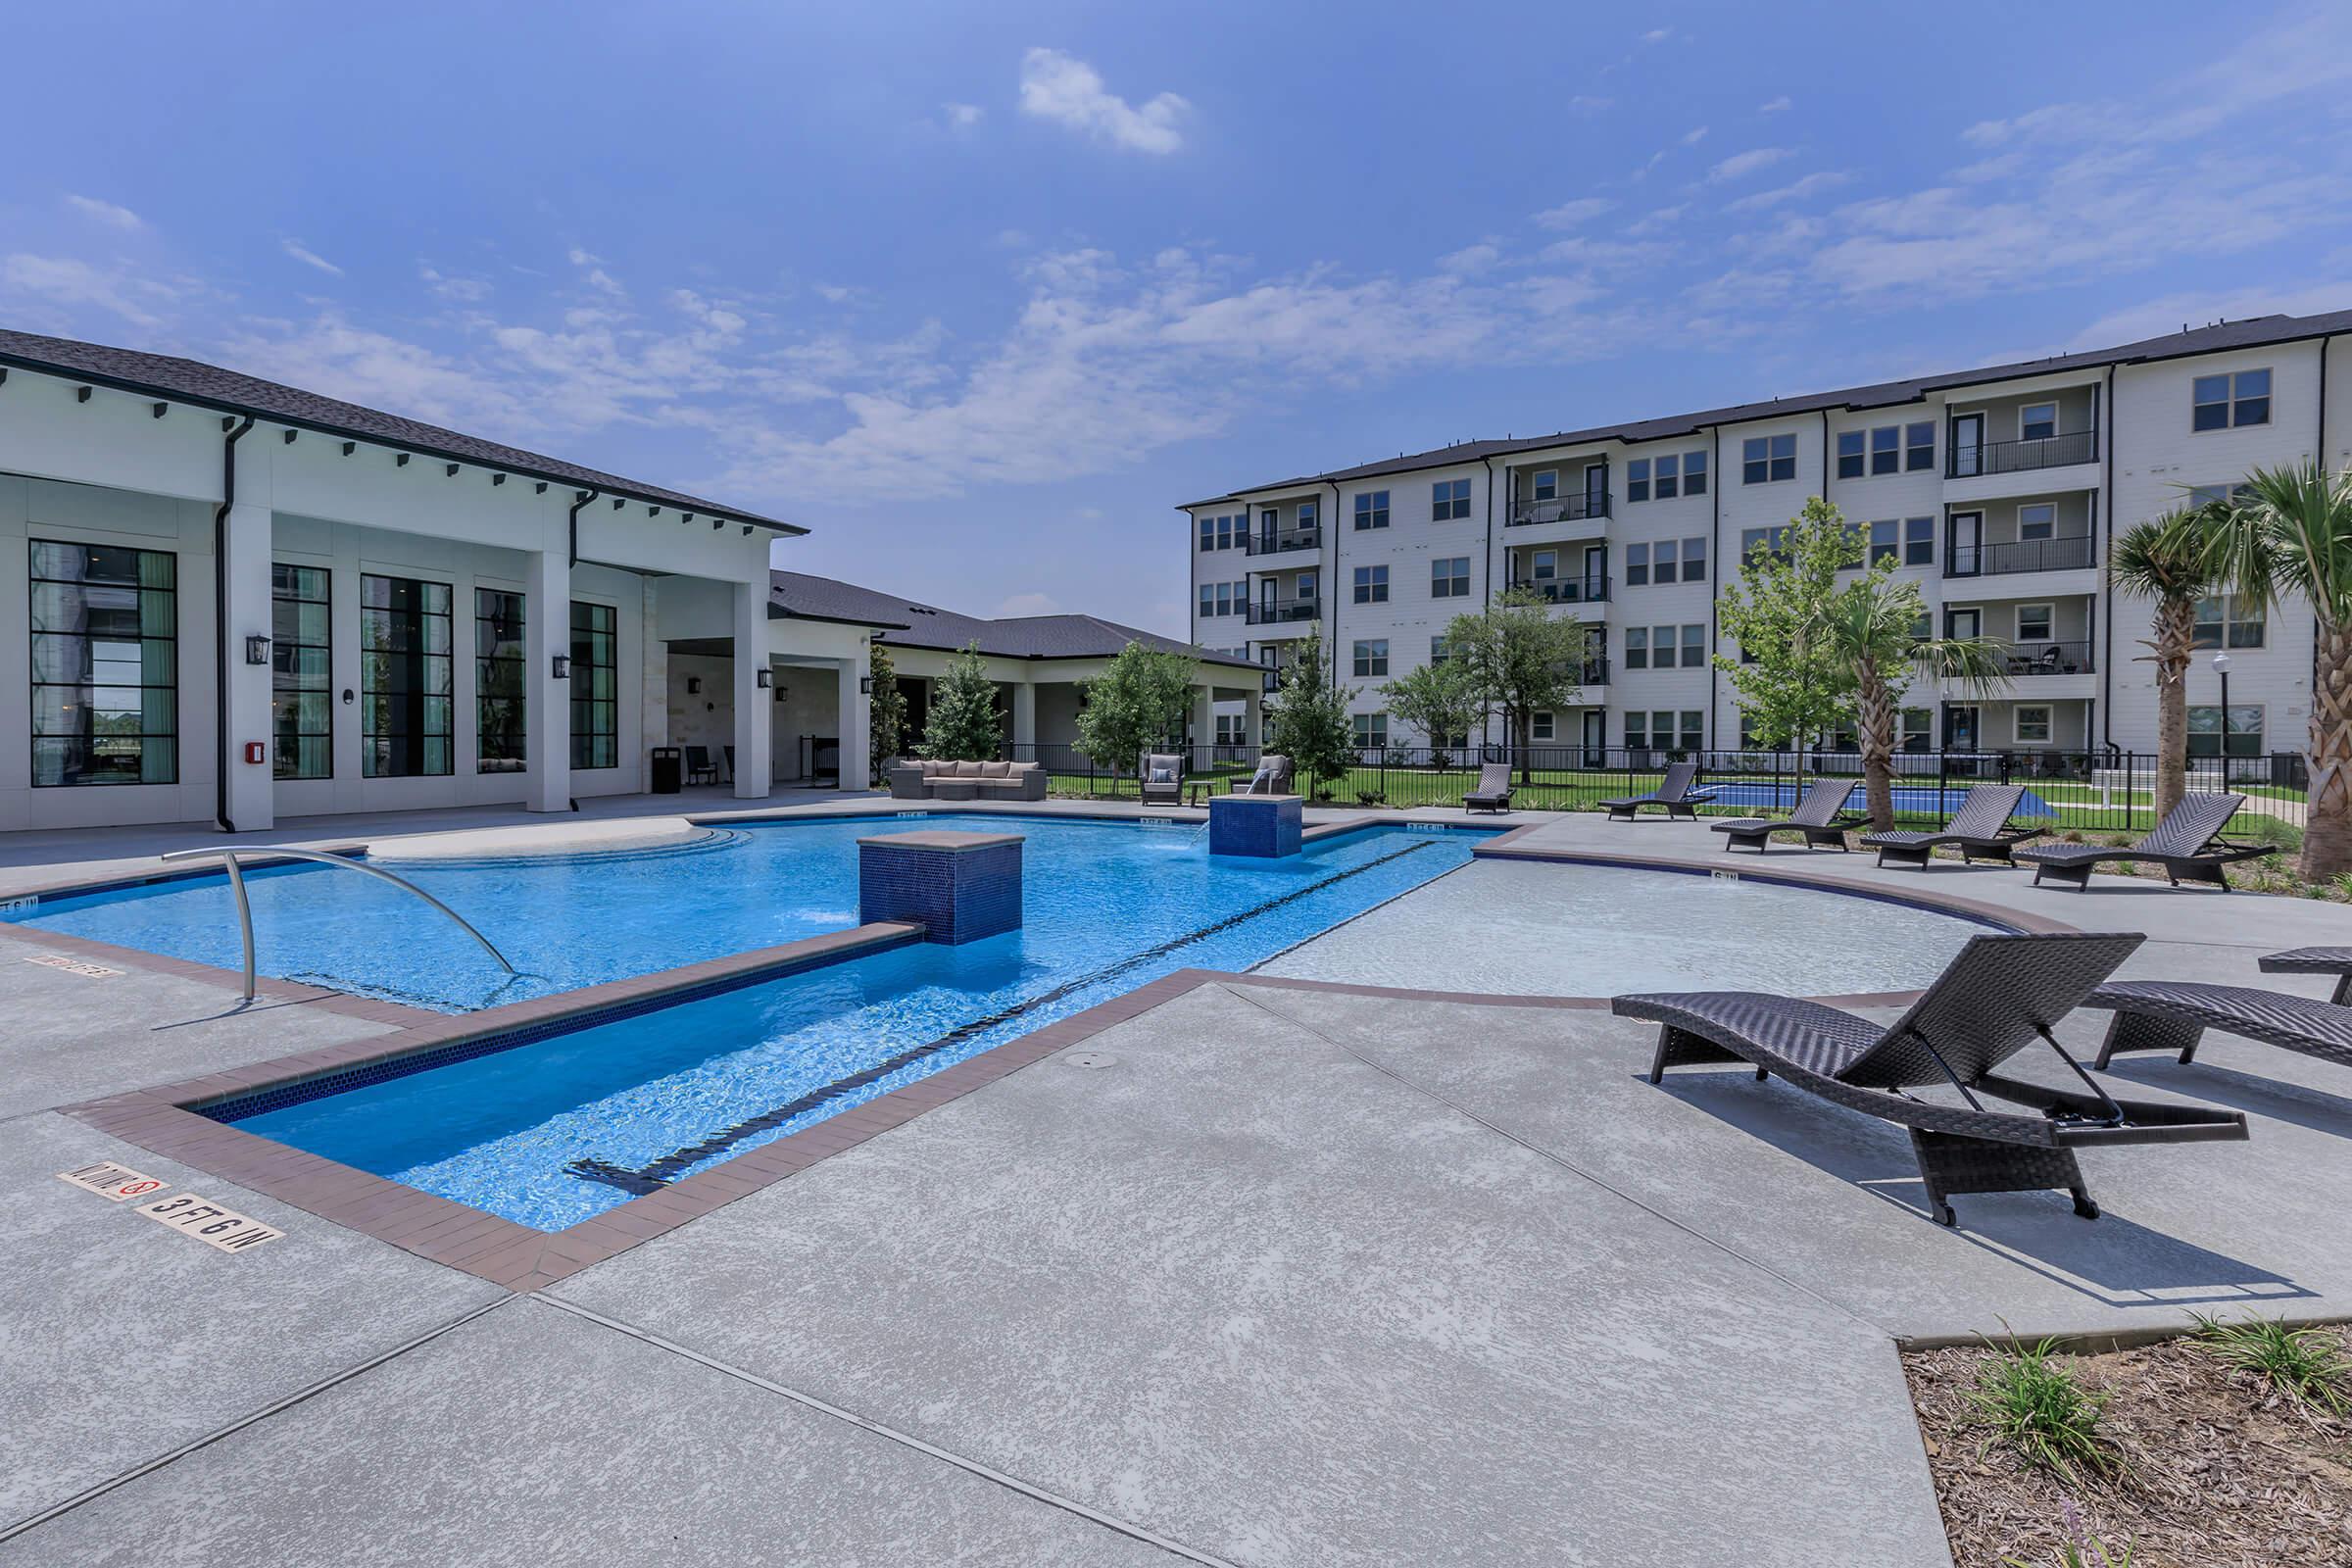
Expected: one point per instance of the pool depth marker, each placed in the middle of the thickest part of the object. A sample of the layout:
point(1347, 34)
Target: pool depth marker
point(657, 1174)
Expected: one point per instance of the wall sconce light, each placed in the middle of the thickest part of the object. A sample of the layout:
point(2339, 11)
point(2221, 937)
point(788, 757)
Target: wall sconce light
point(256, 650)
point(865, 685)
point(694, 685)
point(563, 666)
point(766, 679)
point(781, 694)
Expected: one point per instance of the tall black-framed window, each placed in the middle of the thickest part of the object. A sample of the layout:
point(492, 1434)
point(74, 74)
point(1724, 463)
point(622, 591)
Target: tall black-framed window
point(302, 710)
point(499, 684)
point(595, 686)
point(105, 624)
point(407, 703)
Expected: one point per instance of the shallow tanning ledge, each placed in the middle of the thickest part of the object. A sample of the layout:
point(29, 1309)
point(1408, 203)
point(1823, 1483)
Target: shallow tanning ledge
point(1264, 826)
point(960, 887)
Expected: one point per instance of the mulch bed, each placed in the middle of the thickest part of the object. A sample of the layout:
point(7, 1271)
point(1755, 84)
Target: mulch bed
point(2221, 1472)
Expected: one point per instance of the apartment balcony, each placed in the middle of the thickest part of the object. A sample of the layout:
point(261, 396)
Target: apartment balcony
point(2022, 456)
point(2033, 661)
point(1557, 508)
point(1286, 613)
point(1270, 681)
point(1595, 673)
point(1565, 590)
point(1284, 542)
point(2060, 553)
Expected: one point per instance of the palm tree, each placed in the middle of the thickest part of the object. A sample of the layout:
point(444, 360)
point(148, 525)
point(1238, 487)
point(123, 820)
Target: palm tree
point(2288, 529)
point(1871, 627)
point(2169, 560)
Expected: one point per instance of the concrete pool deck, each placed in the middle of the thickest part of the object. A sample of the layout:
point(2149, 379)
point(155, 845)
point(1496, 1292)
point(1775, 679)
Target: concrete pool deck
point(1266, 1273)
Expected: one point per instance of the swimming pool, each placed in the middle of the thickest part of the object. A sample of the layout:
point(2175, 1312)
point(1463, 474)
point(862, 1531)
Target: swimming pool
point(555, 1126)
point(567, 921)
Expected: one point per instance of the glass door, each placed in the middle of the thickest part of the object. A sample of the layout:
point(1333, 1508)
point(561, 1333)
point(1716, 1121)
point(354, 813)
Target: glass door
point(1965, 545)
point(1597, 490)
point(1597, 738)
point(1960, 728)
point(1967, 445)
point(1596, 572)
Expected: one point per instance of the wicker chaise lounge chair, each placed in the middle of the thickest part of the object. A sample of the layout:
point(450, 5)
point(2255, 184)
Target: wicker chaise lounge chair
point(1980, 828)
point(1163, 779)
point(1674, 793)
point(2187, 844)
point(2173, 1014)
point(1820, 817)
point(1995, 1000)
point(1494, 792)
point(2336, 961)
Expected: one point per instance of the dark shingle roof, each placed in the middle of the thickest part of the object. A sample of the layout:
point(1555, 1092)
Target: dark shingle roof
point(908, 623)
point(2253, 333)
point(190, 381)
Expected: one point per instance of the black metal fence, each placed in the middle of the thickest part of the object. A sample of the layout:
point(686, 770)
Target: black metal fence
point(2094, 791)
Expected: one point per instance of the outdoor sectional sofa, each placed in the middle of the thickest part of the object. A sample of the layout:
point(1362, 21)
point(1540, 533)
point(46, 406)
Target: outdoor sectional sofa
point(912, 779)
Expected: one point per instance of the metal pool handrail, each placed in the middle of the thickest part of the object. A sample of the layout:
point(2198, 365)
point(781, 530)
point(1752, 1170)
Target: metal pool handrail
point(236, 883)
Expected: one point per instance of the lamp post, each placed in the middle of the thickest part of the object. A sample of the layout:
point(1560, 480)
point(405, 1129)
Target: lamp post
point(2221, 667)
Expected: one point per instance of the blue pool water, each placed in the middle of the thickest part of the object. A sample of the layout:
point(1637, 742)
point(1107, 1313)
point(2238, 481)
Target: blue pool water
point(1909, 798)
point(552, 1132)
point(571, 921)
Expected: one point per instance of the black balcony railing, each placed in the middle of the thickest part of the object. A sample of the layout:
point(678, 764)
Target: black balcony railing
point(2064, 553)
point(1558, 509)
point(1565, 590)
point(2028, 658)
point(2019, 457)
point(1284, 610)
point(1262, 543)
point(1595, 673)
point(1270, 681)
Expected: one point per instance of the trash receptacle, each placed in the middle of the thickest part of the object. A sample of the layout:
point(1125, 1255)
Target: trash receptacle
point(669, 770)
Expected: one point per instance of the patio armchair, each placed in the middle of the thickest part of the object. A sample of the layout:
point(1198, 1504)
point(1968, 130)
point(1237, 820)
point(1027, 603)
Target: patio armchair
point(1162, 780)
point(1494, 792)
point(699, 766)
point(2187, 844)
point(1993, 1000)
point(1980, 828)
point(1674, 793)
point(1820, 817)
point(1272, 777)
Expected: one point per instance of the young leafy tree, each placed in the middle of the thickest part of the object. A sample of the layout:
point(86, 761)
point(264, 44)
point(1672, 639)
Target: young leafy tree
point(963, 725)
point(1791, 687)
point(1869, 628)
point(885, 711)
point(1516, 657)
point(1137, 702)
point(1308, 719)
point(2169, 560)
point(2290, 531)
point(1437, 698)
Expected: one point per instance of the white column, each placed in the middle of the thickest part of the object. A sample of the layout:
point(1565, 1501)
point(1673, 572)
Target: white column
point(1253, 708)
point(855, 730)
point(755, 704)
point(1024, 721)
point(246, 698)
point(652, 691)
point(547, 708)
point(1204, 724)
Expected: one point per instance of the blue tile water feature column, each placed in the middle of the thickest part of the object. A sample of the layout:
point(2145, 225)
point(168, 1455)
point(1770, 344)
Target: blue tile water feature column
point(961, 886)
point(1260, 825)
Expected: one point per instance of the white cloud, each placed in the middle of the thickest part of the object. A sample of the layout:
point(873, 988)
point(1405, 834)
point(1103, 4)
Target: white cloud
point(1587, 106)
point(1030, 604)
point(962, 116)
point(69, 281)
point(1470, 259)
point(461, 290)
point(1741, 165)
point(1794, 191)
point(2172, 311)
point(1067, 90)
point(1574, 214)
point(1695, 135)
point(1775, 106)
point(309, 258)
point(106, 213)
point(1658, 35)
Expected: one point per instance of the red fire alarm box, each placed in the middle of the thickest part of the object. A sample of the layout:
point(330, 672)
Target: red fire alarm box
point(256, 752)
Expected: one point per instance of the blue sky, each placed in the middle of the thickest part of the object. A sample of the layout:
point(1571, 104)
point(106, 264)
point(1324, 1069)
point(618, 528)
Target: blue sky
point(979, 294)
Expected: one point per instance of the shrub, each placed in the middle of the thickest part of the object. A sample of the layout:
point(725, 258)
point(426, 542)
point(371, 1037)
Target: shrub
point(2032, 1403)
